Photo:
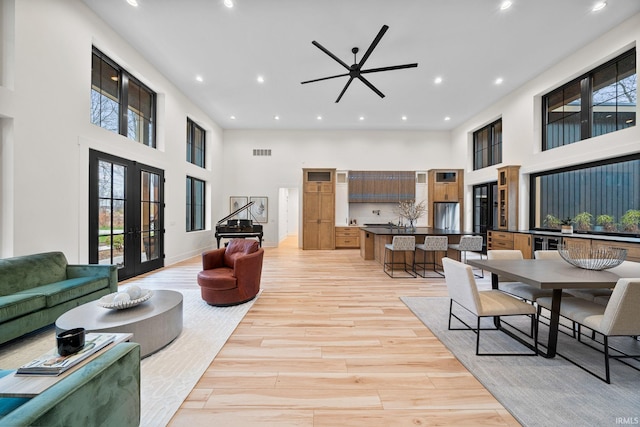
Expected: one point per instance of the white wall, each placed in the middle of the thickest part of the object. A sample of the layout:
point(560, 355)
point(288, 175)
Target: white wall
point(521, 122)
point(47, 133)
point(292, 151)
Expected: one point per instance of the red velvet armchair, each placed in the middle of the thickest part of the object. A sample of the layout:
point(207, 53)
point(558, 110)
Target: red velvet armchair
point(231, 275)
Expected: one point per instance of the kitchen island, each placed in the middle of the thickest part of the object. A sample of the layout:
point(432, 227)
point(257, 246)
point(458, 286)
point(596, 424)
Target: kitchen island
point(373, 239)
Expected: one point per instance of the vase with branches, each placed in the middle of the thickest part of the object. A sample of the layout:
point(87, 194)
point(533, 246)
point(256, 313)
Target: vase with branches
point(412, 211)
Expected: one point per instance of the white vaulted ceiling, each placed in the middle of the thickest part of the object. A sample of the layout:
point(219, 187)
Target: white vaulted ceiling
point(468, 43)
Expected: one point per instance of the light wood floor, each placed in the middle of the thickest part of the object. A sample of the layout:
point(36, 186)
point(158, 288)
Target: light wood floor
point(329, 343)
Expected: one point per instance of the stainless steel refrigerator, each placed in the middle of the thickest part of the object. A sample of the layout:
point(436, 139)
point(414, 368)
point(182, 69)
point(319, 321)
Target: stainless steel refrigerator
point(446, 216)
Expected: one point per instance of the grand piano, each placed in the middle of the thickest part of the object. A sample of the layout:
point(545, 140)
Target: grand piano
point(238, 228)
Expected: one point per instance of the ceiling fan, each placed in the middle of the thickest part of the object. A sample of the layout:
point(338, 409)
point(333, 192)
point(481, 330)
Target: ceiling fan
point(355, 70)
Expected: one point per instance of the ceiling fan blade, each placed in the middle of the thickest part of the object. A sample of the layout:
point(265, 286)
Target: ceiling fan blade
point(393, 67)
point(344, 89)
point(372, 87)
point(324, 78)
point(374, 43)
point(335, 58)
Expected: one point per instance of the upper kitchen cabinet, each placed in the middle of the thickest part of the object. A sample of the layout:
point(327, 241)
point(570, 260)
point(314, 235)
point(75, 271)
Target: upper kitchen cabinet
point(445, 185)
point(381, 186)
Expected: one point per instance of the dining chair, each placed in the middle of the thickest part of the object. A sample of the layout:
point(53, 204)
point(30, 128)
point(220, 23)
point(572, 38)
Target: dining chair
point(402, 244)
point(618, 318)
point(463, 290)
point(468, 244)
point(521, 290)
point(433, 244)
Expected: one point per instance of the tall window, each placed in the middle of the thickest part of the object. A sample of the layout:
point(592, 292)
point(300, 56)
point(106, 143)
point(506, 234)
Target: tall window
point(599, 102)
point(195, 144)
point(487, 145)
point(195, 204)
point(120, 103)
point(596, 197)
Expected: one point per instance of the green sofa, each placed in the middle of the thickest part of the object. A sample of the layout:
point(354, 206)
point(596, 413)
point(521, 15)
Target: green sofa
point(36, 289)
point(104, 392)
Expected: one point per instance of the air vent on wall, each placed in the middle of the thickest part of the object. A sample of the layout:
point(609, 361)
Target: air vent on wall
point(341, 177)
point(421, 178)
point(262, 151)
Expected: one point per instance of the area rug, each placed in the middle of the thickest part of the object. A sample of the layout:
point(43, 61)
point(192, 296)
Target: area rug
point(169, 375)
point(539, 391)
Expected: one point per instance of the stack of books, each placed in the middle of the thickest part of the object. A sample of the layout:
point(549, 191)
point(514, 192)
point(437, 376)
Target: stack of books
point(51, 363)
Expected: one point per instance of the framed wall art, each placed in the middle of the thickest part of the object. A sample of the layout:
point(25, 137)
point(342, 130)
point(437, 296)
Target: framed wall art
point(235, 203)
point(260, 209)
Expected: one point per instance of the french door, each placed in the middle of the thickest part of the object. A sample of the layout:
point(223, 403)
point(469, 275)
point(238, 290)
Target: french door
point(126, 214)
point(485, 209)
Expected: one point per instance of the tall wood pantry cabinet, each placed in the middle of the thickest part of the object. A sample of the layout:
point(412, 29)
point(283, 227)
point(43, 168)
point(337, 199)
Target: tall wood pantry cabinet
point(318, 209)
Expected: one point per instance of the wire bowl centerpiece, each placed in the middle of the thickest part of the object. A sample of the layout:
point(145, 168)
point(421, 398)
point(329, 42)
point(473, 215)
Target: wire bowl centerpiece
point(599, 258)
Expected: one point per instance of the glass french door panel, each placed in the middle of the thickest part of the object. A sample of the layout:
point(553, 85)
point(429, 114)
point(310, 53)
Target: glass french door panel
point(111, 191)
point(149, 215)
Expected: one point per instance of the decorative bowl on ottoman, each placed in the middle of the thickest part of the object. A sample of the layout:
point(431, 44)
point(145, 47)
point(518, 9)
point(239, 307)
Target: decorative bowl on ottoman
point(130, 297)
point(600, 258)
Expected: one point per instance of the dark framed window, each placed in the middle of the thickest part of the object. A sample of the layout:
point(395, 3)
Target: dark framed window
point(195, 204)
point(599, 102)
point(598, 197)
point(196, 138)
point(487, 145)
point(120, 103)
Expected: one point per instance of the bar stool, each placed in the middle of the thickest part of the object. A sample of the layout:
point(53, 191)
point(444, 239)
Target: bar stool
point(431, 244)
point(468, 243)
point(402, 244)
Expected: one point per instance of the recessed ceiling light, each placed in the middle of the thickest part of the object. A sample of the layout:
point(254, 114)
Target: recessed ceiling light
point(319, 117)
point(361, 118)
point(232, 117)
point(446, 119)
point(133, 3)
point(199, 78)
point(499, 81)
point(505, 5)
point(276, 117)
point(599, 6)
point(437, 80)
point(404, 118)
point(228, 3)
point(260, 79)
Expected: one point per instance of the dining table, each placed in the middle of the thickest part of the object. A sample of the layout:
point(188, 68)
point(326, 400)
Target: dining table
point(548, 274)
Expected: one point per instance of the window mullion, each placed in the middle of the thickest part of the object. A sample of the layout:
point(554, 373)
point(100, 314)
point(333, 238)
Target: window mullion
point(585, 111)
point(124, 104)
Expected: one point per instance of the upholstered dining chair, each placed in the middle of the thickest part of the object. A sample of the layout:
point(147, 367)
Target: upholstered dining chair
point(462, 289)
point(402, 244)
point(468, 244)
point(519, 289)
point(433, 244)
point(595, 295)
point(618, 318)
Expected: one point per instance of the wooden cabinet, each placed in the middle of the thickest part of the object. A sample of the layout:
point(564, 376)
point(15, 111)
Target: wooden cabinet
point(367, 245)
point(381, 186)
point(499, 240)
point(347, 237)
point(445, 185)
point(522, 242)
point(633, 249)
point(508, 182)
point(507, 240)
point(318, 209)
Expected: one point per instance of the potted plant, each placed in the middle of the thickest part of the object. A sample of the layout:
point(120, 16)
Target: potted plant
point(630, 221)
point(551, 221)
point(582, 221)
point(565, 226)
point(605, 222)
